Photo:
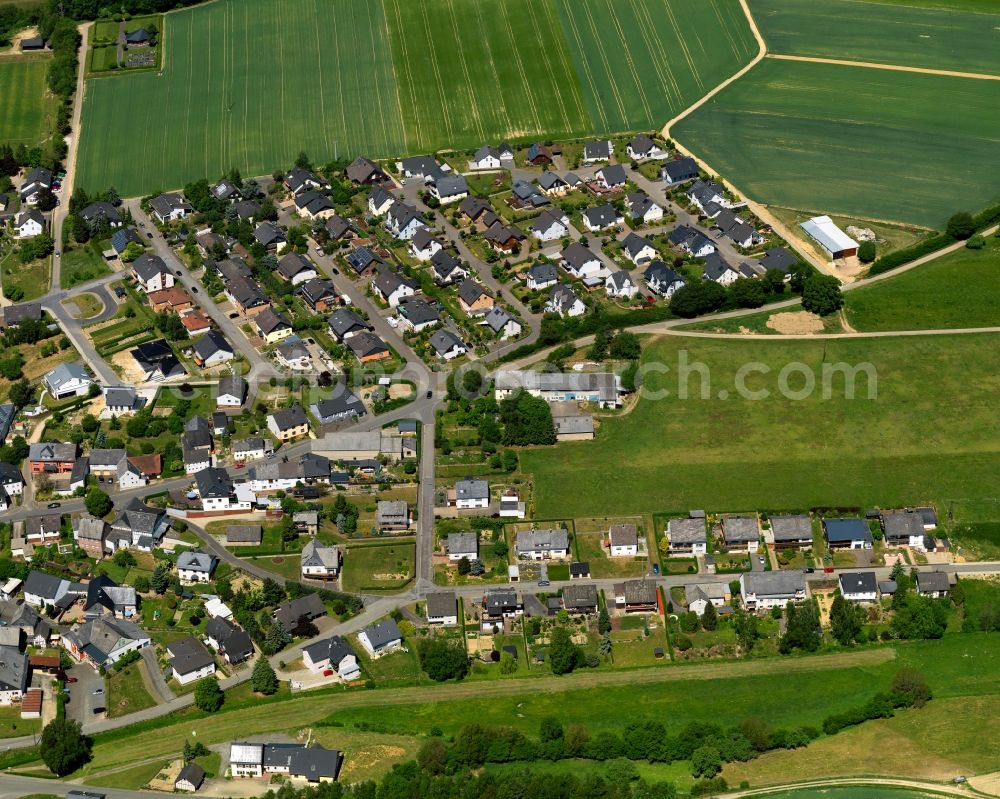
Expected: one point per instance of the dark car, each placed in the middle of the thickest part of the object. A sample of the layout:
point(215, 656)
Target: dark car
point(178, 273)
point(98, 710)
point(54, 505)
point(194, 289)
point(430, 394)
point(656, 568)
point(149, 235)
point(234, 315)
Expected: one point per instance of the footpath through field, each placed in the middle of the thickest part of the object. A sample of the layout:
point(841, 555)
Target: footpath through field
point(949, 73)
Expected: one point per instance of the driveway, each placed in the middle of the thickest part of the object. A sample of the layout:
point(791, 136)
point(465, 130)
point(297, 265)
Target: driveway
point(82, 701)
point(160, 691)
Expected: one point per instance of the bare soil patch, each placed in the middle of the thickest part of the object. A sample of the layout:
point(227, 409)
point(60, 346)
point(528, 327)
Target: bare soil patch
point(795, 323)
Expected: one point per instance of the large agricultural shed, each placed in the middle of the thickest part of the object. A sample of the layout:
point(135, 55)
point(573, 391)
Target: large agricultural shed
point(831, 238)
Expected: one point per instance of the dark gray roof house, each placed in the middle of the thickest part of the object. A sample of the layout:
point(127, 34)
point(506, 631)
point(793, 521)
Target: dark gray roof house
point(309, 606)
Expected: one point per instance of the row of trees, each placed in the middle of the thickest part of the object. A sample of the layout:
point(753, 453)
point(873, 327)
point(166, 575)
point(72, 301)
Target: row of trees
point(820, 293)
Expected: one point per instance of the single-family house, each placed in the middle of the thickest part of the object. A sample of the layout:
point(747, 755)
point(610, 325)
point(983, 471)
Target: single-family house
point(319, 294)
point(300, 180)
point(233, 391)
point(68, 380)
point(365, 172)
point(678, 171)
point(582, 262)
point(29, 224)
point(296, 269)
point(195, 565)
point(403, 221)
point(319, 562)
point(699, 596)
point(471, 493)
point(423, 246)
point(637, 249)
point(612, 177)
point(763, 591)
point(392, 515)
point(601, 217)
point(594, 151)
point(847, 534)
point(441, 608)
point(623, 541)
point(740, 533)
point(550, 225)
point(228, 639)
point(540, 276)
point(35, 182)
point(462, 545)
point(212, 349)
point(903, 528)
point(288, 424)
point(103, 640)
point(332, 654)
point(687, 537)
point(503, 325)
point(314, 204)
point(294, 612)
point(272, 326)
point(368, 347)
point(151, 273)
point(447, 269)
point(381, 638)
point(542, 544)
point(447, 345)
point(391, 287)
point(642, 147)
point(473, 298)
point(417, 314)
point(189, 660)
point(552, 185)
point(449, 188)
point(271, 237)
point(691, 241)
point(636, 596)
point(620, 285)
point(582, 598)
point(642, 208)
point(565, 302)
point(170, 207)
point(934, 584)
point(858, 586)
point(791, 532)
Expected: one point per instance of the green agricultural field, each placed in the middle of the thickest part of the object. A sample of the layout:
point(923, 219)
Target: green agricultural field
point(639, 62)
point(246, 84)
point(928, 436)
point(853, 141)
point(959, 290)
point(27, 109)
point(950, 38)
point(251, 84)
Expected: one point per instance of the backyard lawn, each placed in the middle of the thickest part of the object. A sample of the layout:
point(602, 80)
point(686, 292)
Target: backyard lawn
point(83, 262)
point(125, 692)
point(13, 726)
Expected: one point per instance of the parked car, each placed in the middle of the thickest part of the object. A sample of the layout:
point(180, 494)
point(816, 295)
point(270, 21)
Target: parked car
point(99, 709)
point(656, 568)
point(54, 505)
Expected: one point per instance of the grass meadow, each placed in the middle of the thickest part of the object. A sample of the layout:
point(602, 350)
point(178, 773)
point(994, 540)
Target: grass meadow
point(961, 289)
point(27, 110)
point(853, 141)
point(252, 83)
point(928, 436)
point(966, 38)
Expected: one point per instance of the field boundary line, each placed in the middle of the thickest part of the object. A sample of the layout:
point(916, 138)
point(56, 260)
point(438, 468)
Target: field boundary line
point(841, 62)
point(575, 31)
point(756, 208)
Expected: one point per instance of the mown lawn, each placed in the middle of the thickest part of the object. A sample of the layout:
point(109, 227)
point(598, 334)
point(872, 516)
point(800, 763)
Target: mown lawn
point(13, 726)
point(27, 109)
point(928, 435)
point(380, 567)
point(82, 263)
point(125, 692)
